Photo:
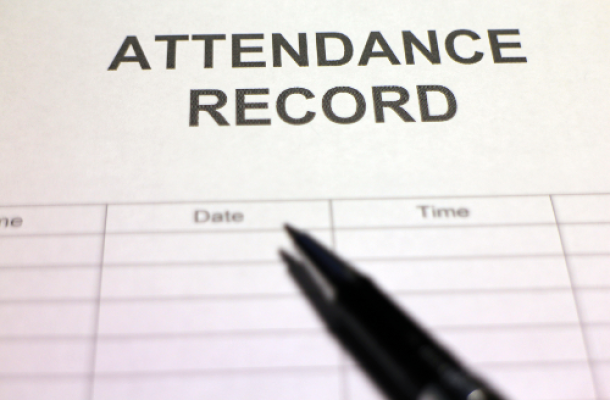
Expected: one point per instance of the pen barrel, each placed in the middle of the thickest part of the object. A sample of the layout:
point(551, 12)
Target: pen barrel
point(405, 361)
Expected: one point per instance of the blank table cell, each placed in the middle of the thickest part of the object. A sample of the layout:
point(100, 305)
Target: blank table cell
point(594, 305)
point(48, 283)
point(590, 271)
point(602, 375)
point(47, 388)
point(469, 275)
point(284, 384)
point(161, 281)
point(196, 247)
point(69, 318)
point(45, 356)
point(209, 353)
point(598, 338)
point(24, 251)
point(206, 316)
point(582, 208)
point(449, 242)
point(586, 239)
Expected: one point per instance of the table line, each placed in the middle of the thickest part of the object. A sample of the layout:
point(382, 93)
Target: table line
point(344, 384)
point(310, 229)
point(296, 332)
point(287, 369)
point(102, 375)
point(353, 259)
point(579, 311)
point(294, 295)
point(221, 263)
point(96, 316)
point(301, 200)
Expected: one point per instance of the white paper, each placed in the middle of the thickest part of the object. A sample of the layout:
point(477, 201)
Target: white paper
point(138, 254)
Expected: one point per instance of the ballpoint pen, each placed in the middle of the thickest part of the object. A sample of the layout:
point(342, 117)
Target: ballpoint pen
point(402, 358)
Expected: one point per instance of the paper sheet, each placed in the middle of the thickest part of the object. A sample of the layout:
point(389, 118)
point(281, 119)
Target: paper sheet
point(140, 216)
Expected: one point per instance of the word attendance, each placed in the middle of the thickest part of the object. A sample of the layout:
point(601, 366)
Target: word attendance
point(501, 44)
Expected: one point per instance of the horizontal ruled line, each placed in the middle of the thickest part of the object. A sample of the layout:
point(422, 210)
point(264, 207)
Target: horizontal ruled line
point(331, 368)
point(267, 262)
point(303, 200)
point(162, 232)
point(297, 295)
point(220, 263)
point(49, 266)
point(279, 229)
point(168, 264)
point(289, 332)
point(355, 260)
point(129, 375)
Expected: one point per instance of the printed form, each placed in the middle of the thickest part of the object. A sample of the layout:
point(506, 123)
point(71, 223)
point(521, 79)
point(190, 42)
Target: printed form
point(456, 152)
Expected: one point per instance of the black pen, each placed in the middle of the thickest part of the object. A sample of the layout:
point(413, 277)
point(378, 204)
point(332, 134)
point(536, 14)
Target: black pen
point(404, 361)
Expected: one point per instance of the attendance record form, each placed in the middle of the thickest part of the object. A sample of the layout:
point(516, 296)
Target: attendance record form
point(457, 152)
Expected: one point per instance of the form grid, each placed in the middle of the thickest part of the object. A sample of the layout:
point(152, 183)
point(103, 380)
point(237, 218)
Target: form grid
point(338, 235)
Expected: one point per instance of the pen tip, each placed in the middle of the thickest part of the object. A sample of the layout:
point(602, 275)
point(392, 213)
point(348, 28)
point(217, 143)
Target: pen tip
point(289, 260)
point(286, 257)
point(292, 231)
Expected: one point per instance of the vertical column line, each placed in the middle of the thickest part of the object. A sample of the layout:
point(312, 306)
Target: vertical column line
point(576, 302)
point(343, 390)
point(96, 313)
point(331, 217)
